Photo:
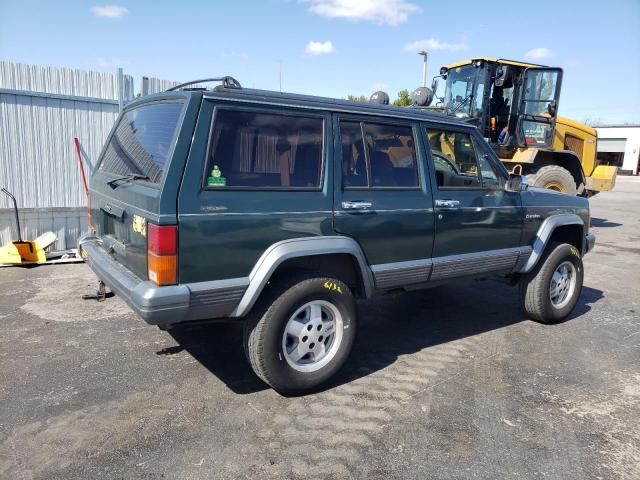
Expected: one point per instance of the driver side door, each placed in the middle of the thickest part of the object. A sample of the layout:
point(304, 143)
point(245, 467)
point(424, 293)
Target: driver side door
point(478, 222)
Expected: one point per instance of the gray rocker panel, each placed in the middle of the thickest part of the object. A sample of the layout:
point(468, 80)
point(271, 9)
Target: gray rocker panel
point(390, 275)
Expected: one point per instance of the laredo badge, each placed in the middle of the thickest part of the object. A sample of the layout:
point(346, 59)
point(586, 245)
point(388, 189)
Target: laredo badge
point(140, 225)
point(216, 179)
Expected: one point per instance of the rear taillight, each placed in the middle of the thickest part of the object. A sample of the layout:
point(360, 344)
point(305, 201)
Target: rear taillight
point(162, 253)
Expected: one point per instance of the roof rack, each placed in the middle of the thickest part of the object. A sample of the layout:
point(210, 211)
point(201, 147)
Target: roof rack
point(227, 82)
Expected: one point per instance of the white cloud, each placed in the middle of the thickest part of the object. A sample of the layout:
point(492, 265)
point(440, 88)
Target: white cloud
point(538, 53)
point(109, 11)
point(390, 12)
point(433, 44)
point(319, 48)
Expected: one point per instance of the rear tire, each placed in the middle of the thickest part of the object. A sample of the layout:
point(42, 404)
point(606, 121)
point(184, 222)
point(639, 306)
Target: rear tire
point(551, 290)
point(301, 333)
point(555, 178)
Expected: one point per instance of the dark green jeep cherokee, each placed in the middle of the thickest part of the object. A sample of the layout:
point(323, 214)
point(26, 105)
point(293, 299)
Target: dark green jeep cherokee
point(282, 209)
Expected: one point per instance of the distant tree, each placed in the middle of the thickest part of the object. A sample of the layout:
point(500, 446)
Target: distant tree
point(361, 98)
point(403, 100)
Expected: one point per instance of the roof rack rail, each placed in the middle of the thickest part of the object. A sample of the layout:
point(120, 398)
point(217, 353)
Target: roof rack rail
point(227, 82)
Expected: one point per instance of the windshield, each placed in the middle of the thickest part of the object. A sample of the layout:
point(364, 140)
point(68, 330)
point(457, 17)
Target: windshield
point(460, 99)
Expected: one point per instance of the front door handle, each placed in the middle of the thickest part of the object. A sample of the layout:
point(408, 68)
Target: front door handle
point(447, 203)
point(356, 205)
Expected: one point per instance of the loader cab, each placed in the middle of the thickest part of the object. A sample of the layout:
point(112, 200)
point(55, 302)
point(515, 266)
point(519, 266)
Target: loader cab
point(513, 104)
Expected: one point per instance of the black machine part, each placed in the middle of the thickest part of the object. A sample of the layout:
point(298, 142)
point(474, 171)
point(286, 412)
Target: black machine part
point(15, 210)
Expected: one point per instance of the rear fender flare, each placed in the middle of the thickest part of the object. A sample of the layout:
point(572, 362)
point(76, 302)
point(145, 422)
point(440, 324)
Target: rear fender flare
point(279, 252)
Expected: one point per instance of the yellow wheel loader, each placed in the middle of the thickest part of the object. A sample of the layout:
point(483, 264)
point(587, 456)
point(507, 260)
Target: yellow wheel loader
point(515, 105)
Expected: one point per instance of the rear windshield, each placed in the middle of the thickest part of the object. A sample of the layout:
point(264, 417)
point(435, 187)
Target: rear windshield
point(142, 141)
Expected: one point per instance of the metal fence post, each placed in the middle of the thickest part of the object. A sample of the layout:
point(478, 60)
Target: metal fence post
point(120, 89)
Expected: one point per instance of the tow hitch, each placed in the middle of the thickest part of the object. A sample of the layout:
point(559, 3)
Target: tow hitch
point(100, 295)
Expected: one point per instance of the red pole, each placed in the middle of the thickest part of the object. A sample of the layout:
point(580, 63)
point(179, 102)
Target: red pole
point(84, 182)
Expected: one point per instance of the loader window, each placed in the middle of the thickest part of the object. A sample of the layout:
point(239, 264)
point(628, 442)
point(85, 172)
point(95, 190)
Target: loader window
point(459, 91)
point(539, 105)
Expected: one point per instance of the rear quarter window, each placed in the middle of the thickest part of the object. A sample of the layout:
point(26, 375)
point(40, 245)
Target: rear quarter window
point(143, 141)
point(258, 150)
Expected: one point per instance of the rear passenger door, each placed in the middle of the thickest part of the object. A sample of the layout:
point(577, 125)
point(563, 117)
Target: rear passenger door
point(478, 222)
point(383, 197)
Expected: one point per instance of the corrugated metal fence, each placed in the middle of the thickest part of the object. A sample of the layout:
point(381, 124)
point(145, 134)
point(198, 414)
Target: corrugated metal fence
point(42, 109)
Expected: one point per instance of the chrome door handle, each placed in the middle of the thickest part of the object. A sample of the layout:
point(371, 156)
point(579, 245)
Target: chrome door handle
point(447, 203)
point(356, 205)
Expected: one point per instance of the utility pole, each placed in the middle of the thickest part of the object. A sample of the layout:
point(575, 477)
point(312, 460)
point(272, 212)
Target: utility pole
point(280, 74)
point(424, 54)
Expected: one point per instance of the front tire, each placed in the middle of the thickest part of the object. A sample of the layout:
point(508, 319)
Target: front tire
point(551, 290)
point(301, 333)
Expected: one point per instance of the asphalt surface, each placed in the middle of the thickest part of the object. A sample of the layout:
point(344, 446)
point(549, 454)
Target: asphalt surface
point(447, 383)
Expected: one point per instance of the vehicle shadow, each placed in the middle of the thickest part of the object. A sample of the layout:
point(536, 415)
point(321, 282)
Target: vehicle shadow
point(389, 327)
point(603, 222)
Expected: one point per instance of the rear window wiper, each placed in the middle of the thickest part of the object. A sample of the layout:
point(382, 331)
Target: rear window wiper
point(127, 178)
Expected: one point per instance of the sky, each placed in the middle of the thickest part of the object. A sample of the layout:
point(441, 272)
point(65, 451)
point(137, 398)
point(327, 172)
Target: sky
point(339, 47)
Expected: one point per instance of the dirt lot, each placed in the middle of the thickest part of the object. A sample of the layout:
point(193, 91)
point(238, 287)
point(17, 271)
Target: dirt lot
point(447, 383)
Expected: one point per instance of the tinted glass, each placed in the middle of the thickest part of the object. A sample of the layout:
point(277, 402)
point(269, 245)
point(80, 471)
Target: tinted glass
point(142, 141)
point(454, 158)
point(392, 156)
point(354, 167)
point(488, 173)
point(264, 150)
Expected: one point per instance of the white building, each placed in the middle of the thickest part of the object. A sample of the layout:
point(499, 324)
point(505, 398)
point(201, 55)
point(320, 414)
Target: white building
point(620, 145)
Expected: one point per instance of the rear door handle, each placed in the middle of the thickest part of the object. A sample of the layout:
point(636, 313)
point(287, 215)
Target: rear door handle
point(447, 203)
point(356, 205)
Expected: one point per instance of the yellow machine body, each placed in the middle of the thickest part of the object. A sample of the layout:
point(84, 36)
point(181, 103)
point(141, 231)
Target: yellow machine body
point(28, 251)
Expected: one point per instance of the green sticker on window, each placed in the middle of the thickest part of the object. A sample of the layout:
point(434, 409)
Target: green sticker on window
point(216, 179)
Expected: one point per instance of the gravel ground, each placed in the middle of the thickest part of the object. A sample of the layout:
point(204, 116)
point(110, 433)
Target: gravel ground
point(452, 382)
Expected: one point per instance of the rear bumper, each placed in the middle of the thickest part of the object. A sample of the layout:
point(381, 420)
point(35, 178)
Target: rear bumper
point(166, 305)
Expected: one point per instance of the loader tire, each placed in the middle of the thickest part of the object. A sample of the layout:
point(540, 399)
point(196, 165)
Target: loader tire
point(555, 178)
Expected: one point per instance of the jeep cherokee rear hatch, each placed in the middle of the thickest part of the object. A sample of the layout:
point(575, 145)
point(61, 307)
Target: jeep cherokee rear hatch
point(135, 187)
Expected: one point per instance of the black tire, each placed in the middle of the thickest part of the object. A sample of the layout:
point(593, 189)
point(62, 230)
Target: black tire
point(554, 177)
point(534, 287)
point(265, 326)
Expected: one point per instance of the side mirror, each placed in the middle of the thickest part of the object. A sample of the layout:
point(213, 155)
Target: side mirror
point(434, 84)
point(516, 183)
point(552, 108)
point(501, 75)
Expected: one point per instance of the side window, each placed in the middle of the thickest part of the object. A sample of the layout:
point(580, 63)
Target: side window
point(490, 177)
point(264, 150)
point(354, 163)
point(455, 159)
point(387, 158)
point(392, 155)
